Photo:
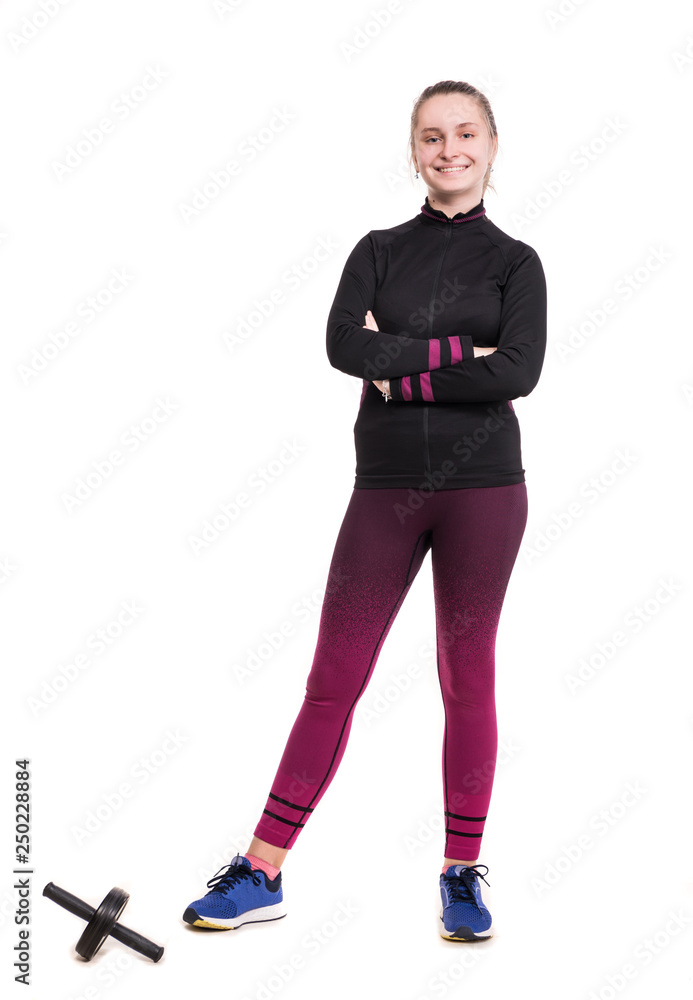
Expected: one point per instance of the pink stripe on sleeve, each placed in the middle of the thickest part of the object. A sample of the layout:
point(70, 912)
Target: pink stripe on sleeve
point(426, 391)
point(455, 350)
point(434, 354)
point(405, 387)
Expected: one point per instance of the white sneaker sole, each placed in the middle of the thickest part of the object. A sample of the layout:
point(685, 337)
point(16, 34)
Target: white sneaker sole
point(474, 937)
point(258, 916)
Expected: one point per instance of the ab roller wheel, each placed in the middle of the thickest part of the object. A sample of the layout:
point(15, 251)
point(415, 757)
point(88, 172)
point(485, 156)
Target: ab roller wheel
point(102, 922)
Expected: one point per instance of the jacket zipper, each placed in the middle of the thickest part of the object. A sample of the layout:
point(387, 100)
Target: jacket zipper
point(427, 454)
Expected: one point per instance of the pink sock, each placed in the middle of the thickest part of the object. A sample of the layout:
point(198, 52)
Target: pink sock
point(262, 864)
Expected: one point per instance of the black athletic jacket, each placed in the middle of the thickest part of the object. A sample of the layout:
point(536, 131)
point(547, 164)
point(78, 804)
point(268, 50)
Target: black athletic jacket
point(437, 287)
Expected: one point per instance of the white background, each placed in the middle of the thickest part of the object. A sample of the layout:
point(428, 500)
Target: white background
point(569, 918)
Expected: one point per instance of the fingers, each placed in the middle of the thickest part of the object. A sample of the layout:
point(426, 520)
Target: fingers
point(370, 321)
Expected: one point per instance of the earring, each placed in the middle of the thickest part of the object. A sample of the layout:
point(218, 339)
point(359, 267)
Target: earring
point(416, 176)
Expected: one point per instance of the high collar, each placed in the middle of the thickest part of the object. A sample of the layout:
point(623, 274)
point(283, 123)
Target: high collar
point(430, 214)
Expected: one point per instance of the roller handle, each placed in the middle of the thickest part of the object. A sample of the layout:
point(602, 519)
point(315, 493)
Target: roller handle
point(68, 902)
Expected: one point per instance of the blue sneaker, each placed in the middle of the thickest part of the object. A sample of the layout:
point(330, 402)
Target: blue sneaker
point(242, 895)
point(464, 915)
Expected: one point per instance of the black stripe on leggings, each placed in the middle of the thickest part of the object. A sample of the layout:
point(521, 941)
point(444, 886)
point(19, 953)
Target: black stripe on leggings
point(281, 819)
point(287, 803)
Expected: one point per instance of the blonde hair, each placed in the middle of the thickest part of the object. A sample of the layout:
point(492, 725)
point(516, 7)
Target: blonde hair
point(455, 87)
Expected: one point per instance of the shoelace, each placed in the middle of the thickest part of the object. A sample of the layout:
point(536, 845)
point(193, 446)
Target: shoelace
point(462, 886)
point(235, 874)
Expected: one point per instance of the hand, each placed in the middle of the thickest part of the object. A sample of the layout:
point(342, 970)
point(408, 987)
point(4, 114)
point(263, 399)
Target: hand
point(482, 351)
point(370, 323)
point(382, 384)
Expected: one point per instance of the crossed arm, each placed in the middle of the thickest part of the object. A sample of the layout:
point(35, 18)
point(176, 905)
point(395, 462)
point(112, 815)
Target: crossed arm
point(384, 384)
point(445, 369)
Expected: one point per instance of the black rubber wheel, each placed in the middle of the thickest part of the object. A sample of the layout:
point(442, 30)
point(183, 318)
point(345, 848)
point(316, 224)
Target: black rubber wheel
point(102, 923)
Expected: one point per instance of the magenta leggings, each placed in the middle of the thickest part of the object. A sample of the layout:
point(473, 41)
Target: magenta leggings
point(474, 535)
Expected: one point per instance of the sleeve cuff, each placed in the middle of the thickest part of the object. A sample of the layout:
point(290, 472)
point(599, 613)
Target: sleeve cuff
point(413, 387)
point(404, 388)
point(467, 348)
point(395, 390)
point(449, 351)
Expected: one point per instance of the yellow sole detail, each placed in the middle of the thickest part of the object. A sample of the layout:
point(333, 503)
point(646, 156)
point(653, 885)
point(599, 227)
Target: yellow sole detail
point(207, 923)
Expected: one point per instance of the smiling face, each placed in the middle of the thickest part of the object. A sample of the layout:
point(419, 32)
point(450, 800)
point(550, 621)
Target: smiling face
point(453, 149)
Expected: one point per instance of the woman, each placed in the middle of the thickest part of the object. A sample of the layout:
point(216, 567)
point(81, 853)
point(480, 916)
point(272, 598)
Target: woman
point(460, 332)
